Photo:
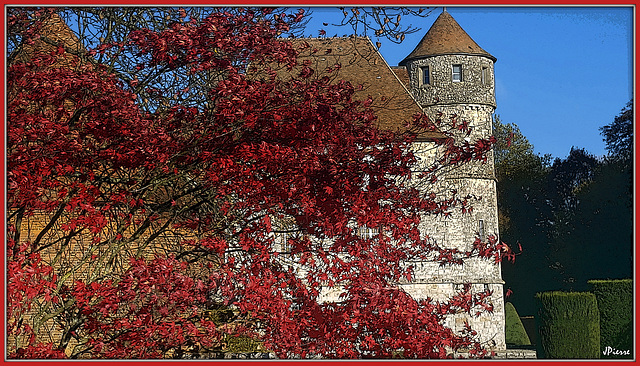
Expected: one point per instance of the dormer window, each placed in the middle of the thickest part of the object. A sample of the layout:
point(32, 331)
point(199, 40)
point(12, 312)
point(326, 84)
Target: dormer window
point(456, 73)
point(425, 78)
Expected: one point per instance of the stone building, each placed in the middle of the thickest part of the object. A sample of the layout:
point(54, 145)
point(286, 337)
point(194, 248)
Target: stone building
point(450, 74)
point(446, 74)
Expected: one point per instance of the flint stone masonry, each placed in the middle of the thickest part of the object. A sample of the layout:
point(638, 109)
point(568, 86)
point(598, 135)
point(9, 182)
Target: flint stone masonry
point(459, 230)
point(473, 88)
point(475, 270)
point(480, 120)
point(489, 325)
point(469, 99)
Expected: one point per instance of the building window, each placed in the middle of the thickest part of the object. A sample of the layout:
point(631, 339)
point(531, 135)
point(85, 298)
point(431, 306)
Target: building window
point(457, 73)
point(481, 229)
point(484, 75)
point(426, 75)
point(367, 232)
point(282, 240)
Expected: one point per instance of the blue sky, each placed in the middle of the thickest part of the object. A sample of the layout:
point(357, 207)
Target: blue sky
point(562, 72)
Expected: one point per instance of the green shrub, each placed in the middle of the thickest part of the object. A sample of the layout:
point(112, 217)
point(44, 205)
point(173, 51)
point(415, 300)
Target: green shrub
point(514, 331)
point(529, 323)
point(615, 304)
point(568, 325)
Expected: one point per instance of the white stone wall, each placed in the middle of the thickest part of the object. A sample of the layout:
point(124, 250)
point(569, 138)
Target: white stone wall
point(459, 230)
point(443, 90)
point(490, 326)
point(471, 100)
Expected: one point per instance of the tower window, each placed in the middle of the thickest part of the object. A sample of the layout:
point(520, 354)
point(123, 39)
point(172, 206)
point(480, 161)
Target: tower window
point(457, 73)
point(426, 76)
point(484, 75)
point(481, 229)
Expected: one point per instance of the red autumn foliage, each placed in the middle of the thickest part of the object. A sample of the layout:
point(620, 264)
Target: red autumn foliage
point(155, 216)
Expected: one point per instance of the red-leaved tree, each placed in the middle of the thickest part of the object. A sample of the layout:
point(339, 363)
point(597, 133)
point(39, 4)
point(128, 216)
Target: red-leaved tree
point(160, 179)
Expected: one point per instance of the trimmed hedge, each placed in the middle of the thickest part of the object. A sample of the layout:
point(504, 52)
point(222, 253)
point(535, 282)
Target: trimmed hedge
point(568, 325)
point(515, 334)
point(615, 304)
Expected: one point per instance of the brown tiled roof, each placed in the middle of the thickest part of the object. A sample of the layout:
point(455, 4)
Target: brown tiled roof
point(402, 74)
point(53, 31)
point(362, 64)
point(446, 37)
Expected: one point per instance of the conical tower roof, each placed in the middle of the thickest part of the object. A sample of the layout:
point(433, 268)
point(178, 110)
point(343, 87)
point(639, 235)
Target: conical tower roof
point(446, 37)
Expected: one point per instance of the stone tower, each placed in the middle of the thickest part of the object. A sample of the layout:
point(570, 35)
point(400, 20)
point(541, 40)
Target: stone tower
point(450, 74)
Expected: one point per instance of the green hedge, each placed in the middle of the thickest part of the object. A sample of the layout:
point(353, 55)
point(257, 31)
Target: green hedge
point(568, 325)
point(515, 334)
point(615, 304)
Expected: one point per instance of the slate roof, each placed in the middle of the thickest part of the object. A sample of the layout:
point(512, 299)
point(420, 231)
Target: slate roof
point(446, 37)
point(362, 64)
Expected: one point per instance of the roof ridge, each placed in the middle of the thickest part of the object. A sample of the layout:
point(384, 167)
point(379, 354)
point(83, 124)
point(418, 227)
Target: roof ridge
point(395, 105)
point(377, 50)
